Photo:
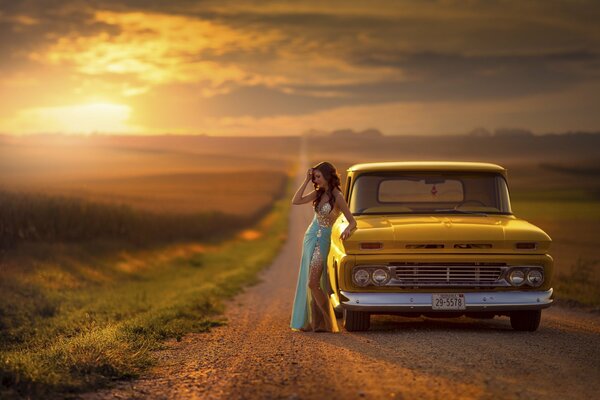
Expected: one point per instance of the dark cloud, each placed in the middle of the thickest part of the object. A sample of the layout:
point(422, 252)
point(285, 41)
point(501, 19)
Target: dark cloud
point(435, 77)
point(488, 76)
point(48, 21)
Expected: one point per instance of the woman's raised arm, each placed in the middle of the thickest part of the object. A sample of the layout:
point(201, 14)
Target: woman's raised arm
point(298, 198)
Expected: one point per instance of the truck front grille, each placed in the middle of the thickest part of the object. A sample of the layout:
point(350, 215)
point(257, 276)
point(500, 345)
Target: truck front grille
point(448, 274)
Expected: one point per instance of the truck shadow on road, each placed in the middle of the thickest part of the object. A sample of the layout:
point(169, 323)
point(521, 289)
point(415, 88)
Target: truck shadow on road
point(388, 323)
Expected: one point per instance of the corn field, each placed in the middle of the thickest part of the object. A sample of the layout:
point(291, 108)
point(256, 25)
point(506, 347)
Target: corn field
point(30, 217)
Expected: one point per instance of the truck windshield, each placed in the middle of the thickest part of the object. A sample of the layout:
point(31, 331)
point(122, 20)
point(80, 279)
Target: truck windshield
point(430, 192)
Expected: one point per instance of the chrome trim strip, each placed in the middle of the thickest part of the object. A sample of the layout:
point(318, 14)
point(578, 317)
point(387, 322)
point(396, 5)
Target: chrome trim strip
point(422, 302)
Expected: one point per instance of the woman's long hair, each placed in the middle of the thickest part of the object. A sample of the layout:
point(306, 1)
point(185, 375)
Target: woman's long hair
point(333, 181)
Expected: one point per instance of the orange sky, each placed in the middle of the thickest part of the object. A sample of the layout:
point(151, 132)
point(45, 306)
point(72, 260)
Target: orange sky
point(262, 67)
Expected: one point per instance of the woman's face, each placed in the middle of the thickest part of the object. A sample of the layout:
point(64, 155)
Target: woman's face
point(319, 179)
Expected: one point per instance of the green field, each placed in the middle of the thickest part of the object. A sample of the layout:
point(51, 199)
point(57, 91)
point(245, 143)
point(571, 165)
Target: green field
point(80, 320)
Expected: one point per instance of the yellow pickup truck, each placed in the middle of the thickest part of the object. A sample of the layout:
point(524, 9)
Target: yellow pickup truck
point(437, 239)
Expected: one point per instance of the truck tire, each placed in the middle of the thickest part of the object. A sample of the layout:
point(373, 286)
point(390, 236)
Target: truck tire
point(526, 320)
point(356, 321)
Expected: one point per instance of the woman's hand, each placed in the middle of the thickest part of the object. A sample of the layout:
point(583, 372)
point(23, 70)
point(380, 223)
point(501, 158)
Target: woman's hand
point(309, 174)
point(346, 233)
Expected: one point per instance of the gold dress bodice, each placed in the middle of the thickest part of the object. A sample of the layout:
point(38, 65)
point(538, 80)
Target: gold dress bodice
point(325, 218)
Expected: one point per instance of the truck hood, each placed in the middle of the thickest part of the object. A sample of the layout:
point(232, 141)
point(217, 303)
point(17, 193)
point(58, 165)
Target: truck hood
point(443, 233)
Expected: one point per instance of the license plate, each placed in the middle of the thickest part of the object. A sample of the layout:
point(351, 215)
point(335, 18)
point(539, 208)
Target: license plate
point(448, 301)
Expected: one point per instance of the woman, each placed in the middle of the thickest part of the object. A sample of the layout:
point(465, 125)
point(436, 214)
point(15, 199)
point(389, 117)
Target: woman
point(312, 309)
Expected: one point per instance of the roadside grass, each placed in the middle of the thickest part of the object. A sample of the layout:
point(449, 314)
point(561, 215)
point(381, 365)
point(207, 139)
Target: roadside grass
point(572, 219)
point(100, 319)
point(580, 285)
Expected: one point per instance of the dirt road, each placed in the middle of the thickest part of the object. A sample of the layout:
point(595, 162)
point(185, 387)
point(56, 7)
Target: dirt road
point(257, 356)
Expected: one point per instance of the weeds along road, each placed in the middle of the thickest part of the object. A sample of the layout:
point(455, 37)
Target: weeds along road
point(257, 356)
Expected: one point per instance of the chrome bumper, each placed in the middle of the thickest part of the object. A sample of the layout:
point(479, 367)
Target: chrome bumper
point(422, 302)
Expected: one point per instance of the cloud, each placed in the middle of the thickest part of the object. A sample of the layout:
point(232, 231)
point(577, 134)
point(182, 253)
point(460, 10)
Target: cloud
point(156, 49)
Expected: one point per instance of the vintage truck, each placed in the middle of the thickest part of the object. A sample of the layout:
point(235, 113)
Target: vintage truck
point(437, 239)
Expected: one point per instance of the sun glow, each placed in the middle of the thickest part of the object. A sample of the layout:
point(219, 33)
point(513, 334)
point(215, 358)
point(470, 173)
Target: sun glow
point(82, 118)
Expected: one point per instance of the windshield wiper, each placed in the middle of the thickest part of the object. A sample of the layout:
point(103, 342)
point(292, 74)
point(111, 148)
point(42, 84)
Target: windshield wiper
point(453, 210)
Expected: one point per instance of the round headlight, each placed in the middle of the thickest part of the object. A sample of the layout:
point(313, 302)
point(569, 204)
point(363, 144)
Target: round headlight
point(517, 277)
point(381, 276)
point(361, 277)
point(535, 277)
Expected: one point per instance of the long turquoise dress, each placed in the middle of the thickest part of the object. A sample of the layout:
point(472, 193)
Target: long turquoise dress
point(308, 313)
